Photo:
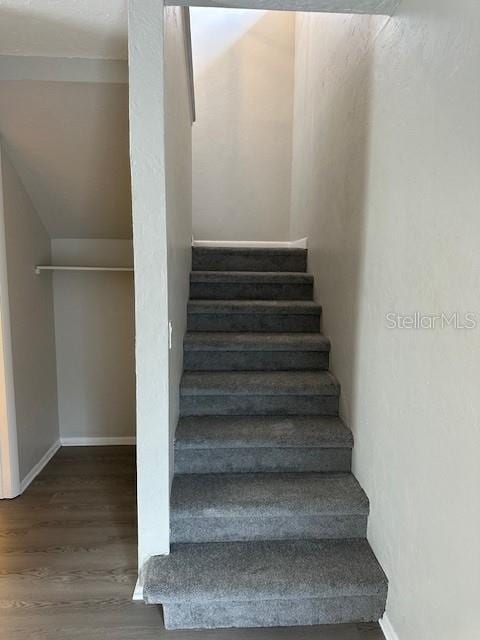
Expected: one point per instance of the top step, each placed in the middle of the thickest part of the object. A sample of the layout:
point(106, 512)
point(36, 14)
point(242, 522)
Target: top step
point(248, 259)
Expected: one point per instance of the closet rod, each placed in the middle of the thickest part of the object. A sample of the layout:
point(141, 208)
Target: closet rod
point(40, 268)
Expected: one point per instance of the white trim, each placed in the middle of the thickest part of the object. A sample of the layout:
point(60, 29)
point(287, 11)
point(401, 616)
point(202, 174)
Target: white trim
point(138, 591)
point(254, 244)
point(44, 460)
point(9, 469)
point(97, 442)
point(387, 628)
point(48, 69)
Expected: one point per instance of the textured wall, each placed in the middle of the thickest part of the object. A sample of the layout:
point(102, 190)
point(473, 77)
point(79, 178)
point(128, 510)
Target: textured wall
point(242, 137)
point(94, 336)
point(69, 144)
point(147, 156)
point(31, 323)
point(84, 28)
point(161, 181)
point(386, 166)
point(178, 153)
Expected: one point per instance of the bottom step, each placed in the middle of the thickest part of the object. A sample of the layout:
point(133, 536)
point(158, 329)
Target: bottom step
point(273, 613)
point(265, 584)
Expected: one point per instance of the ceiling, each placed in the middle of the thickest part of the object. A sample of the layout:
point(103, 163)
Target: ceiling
point(69, 144)
point(78, 28)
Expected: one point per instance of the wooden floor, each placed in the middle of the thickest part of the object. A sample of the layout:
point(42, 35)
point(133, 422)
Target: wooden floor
point(68, 560)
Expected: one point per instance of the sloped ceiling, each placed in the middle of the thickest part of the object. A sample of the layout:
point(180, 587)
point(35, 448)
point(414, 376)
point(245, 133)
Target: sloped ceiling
point(68, 140)
point(64, 28)
point(69, 144)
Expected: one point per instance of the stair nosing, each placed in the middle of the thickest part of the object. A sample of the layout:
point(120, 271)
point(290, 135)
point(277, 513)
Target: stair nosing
point(263, 486)
point(264, 570)
point(292, 424)
point(249, 383)
point(212, 341)
point(251, 277)
point(253, 307)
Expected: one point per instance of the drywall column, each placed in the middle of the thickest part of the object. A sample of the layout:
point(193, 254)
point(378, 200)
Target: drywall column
point(178, 185)
point(10, 475)
point(161, 159)
point(147, 135)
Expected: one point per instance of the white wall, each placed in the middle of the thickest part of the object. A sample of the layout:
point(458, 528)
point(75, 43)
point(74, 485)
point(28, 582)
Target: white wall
point(94, 335)
point(242, 137)
point(178, 150)
point(386, 166)
point(68, 142)
point(161, 184)
point(30, 301)
point(85, 28)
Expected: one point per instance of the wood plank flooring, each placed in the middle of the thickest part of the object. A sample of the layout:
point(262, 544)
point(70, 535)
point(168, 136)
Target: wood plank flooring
point(68, 560)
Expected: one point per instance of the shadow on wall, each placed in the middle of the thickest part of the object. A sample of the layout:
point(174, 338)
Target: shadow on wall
point(330, 170)
point(242, 138)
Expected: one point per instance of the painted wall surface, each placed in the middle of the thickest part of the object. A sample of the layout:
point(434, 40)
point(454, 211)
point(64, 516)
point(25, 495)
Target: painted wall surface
point(161, 182)
point(84, 28)
point(68, 142)
point(178, 153)
point(242, 137)
point(147, 157)
point(31, 323)
point(386, 166)
point(10, 476)
point(94, 334)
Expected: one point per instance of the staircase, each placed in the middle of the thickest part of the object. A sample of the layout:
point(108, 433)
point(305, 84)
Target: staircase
point(268, 525)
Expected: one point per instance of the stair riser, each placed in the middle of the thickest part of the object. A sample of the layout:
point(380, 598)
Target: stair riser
point(256, 460)
point(264, 528)
point(258, 405)
point(250, 291)
point(253, 322)
point(255, 360)
point(247, 261)
point(274, 613)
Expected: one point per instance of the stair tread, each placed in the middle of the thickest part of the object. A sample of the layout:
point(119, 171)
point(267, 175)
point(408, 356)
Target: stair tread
point(244, 432)
point(271, 307)
point(251, 251)
point(251, 277)
point(251, 341)
point(259, 383)
point(235, 495)
point(264, 570)
point(249, 259)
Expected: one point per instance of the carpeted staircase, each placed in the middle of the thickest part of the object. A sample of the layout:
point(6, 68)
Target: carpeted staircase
point(268, 525)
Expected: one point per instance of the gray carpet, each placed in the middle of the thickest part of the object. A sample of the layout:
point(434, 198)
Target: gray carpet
point(268, 525)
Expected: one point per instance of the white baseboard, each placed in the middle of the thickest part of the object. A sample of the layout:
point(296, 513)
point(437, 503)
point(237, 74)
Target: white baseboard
point(96, 442)
point(138, 591)
point(253, 244)
point(44, 460)
point(386, 626)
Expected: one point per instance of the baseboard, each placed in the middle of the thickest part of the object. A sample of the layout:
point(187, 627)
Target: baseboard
point(96, 442)
point(253, 244)
point(388, 631)
point(138, 591)
point(44, 460)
